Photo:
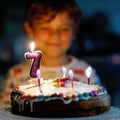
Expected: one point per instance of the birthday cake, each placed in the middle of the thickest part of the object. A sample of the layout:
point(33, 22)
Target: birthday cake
point(57, 98)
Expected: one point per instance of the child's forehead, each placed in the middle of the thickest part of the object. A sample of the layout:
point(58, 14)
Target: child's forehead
point(63, 17)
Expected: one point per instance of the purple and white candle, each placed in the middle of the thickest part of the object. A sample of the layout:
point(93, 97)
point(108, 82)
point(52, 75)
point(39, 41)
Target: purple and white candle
point(71, 77)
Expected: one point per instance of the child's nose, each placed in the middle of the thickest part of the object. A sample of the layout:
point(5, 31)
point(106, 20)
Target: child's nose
point(55, 33)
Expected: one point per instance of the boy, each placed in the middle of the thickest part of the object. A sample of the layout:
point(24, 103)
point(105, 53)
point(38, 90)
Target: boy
point(52, 25)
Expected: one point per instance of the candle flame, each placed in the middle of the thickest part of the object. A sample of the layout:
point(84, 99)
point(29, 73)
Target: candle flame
point(38, 73)
point(32, 46)
point(71, 73)
point(88, 72)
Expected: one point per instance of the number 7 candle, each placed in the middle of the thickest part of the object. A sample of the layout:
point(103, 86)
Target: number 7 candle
point(36, 56)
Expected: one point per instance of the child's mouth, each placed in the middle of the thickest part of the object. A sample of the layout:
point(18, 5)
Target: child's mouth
point(53, 44)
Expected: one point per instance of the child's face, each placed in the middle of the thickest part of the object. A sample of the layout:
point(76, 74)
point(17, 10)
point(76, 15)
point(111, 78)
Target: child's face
point(53, 38)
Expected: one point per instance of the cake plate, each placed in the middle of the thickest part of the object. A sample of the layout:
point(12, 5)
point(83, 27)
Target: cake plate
point(113, 114)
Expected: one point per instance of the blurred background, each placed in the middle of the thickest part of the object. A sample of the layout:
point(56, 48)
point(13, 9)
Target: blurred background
point(98, 40)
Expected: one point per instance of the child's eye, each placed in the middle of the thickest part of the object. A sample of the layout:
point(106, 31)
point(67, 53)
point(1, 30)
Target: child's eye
point(44, 28)
point(65, 29)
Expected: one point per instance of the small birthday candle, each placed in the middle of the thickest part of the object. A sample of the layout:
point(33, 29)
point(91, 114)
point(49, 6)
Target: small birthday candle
point(38, 76)
point(64, 71)
point(88, 73)
point(71, 77)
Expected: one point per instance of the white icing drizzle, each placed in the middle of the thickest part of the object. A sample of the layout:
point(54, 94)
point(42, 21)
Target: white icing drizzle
point(21, 104)
point(32, 102)
point(67, 101)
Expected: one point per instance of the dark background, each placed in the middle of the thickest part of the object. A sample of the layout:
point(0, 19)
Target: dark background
point(98, 40)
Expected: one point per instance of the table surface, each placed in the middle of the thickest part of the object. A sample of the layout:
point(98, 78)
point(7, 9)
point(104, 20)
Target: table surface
point(113, 114)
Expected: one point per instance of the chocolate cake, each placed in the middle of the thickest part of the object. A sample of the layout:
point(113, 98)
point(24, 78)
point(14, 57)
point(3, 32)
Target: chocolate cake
point(56, 98)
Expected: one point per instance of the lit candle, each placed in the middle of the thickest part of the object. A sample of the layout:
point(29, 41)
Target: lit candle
point(88, 73)
point(71, 77)
point(36, 56)
point(38, 76)
point(64, 71)
point(32, 46)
